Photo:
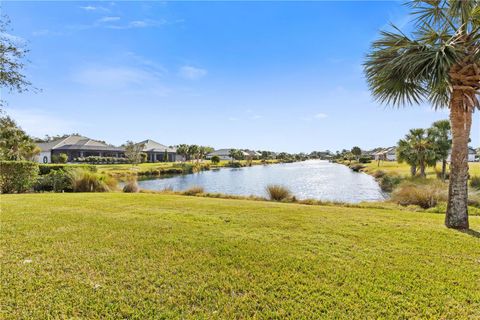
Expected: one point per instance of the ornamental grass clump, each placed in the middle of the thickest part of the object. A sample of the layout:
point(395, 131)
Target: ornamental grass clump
point(131, 186)
point(277, 192)
point(193, 191)
point(87, 181)
point(425, 195)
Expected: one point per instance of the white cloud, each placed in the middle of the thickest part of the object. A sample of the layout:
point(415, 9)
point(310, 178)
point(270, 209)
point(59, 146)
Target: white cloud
point(134, 80)
point(192, 73)
point(320, 116)
point(108, 19)
point(146, 23)
point(38, 123)
point(94, 8)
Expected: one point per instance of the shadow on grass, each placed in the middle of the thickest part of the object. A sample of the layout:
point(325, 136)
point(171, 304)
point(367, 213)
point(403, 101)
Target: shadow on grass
point(471, 232)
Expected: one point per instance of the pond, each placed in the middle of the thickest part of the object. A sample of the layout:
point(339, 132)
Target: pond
point(314, 179)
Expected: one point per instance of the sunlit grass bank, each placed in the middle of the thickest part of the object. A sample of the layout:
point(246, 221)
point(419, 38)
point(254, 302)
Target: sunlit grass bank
point(404, 170)
point(166, 256)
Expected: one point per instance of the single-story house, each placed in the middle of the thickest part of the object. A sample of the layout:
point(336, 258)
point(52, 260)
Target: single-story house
point(156, 151)
point(472, 155)
point(224, 154)
point(76, 146)
point(388, 154)
point(253, 154)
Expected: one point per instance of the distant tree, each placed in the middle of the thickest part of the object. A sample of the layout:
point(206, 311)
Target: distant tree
point(182, 150)
point(215, 159)
point(406, 154)
point(12, 61)
point(421, 149)
point(441, 136)
point(15, 144)
point(165, 156)
point(203, 151)
point(357, 152)
point(133, 152)
point(233, 154)
point(193, 151)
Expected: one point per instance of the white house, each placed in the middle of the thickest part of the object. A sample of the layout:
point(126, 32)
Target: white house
point(388, 154)
point(472, 155)
point(224, 154)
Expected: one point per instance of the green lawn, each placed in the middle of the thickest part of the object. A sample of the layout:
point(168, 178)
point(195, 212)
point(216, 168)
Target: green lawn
point(141, 256)
point(127, 169)
point(404, 170)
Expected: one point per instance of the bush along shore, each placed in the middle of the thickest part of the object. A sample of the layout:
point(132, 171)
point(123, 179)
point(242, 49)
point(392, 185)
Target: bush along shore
point(429, 193)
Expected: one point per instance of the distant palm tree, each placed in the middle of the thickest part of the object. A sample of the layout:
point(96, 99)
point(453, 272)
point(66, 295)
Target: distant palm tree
point(438, 63)
point(182, 150)
point(417, 150)
point(193, 151)
point(233, 154)
point(440, 134)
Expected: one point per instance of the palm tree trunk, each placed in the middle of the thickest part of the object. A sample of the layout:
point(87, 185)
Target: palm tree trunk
point(461, 121)
point(444, 169)
point(413, 170)
point(422, 169)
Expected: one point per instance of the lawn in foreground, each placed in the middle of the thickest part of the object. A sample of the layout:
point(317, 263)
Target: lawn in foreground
point(152, 256)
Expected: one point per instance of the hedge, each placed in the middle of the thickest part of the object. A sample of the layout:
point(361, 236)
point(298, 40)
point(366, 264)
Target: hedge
point(17, 176)
point(47, 168)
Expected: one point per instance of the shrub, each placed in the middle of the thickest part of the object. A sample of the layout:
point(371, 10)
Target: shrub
point(475, 182)
point(378, 174)
point(87, 181)
point(357, 167)
point(143, 157)
point(426, 195)
point(131, 186)
point(193, 191)
point(62, 158)
point(277, 192)
point(17, 176)
point(215, 159)
point(55, 180)
point(388, 183)
point(365, 159)
point(46, 168)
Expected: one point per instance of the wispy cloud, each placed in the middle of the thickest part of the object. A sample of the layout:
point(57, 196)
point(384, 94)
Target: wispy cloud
point(38, 123)
point(46, 32)
point(108, 19)
point(93, 8)
point(192, 73)
point(320, 116)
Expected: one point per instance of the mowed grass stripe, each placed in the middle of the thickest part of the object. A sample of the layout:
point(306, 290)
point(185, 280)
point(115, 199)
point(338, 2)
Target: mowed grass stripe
point(152, 256)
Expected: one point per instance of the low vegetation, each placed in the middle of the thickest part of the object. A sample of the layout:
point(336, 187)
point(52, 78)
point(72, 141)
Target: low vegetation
point(131, 186)
point(277, 192)
point(423, 194)
point(192, 257)
point(193, 191)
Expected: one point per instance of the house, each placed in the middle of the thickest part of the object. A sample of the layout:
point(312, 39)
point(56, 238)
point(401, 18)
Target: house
point(224, 154)
point(472, 155)
point(76, 146)
point(253, 154)
point(156, 151)
point(388, 154)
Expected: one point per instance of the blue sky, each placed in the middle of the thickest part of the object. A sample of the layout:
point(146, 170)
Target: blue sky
point(284, 76)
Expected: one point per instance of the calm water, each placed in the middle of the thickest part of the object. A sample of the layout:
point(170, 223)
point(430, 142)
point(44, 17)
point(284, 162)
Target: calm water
point(309, 179)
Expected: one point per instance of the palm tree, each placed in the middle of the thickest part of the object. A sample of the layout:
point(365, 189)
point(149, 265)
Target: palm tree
point(182, 150)
point(193, 150)
point(417, 150)
point(405, 154)
point(233, 153)
point(438, 63)
point(440, 134)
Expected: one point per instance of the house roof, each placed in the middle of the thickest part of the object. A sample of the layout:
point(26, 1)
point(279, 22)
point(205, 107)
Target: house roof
point(76, 142)
point(153, 146)
point(224, 152)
